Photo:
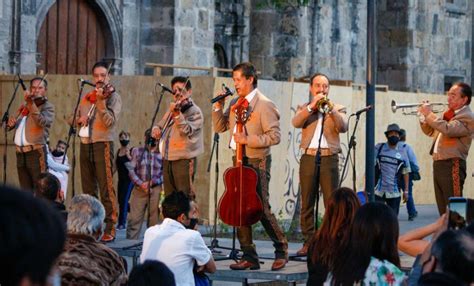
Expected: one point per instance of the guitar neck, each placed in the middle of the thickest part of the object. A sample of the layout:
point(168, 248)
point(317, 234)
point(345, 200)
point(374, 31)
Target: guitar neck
point(240, 148)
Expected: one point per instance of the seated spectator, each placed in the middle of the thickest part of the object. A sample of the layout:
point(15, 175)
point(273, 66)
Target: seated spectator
point(414, 243)
point(151, 273)
point(451, 261)
point(371, 257)
point(31, 238)
point(85, 260)
point(56, 167)
point(48, 187)
point(333, 235)
point(175, 245)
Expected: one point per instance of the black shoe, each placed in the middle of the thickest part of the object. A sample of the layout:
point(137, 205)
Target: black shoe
point(412, 216)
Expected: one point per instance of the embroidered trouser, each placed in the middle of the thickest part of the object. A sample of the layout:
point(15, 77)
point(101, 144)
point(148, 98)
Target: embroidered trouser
point(96, 170)
point(29, 166)
point(139, 202)
point(178, 175)
point(448, 176)
point(328, 180)
point(268, 220)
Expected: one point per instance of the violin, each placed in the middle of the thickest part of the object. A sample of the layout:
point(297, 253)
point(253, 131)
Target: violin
point(107, 88)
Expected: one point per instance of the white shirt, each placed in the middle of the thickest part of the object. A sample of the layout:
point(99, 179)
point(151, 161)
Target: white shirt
point(20, 138)
point(435, 149)
point(317, 132)
point(177, 247)
point(249, 98)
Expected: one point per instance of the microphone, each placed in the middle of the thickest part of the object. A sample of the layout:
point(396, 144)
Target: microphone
point(164, 87)
point(228, 92)
point(365, 109)
point(83, 82)
point(20, 80)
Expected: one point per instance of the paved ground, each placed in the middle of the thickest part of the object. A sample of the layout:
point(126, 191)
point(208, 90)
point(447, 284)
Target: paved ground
point(426, 214)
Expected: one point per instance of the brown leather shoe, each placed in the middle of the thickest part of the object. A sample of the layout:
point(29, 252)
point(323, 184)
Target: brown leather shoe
point(303, 251)
point(243, 265)
point(107, 238)
point(278, 264)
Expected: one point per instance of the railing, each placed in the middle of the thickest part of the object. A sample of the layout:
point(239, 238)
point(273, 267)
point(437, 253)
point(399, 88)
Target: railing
point(211, 70)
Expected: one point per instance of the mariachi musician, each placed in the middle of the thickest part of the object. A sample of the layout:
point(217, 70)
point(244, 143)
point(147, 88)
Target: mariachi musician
point(96, 117)
point(32, 124)
point(181, 139)
point(261, 131)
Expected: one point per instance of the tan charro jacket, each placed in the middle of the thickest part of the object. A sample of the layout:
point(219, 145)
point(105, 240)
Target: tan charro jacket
point(334, 123)
point(262, 127)
point(456, 134)
point(38, 122)
point(183, 139)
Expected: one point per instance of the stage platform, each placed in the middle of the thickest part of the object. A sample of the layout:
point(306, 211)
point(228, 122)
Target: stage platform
point(295, 273)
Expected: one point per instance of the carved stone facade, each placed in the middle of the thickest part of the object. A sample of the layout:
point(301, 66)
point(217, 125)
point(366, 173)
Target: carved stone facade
point(422, 45)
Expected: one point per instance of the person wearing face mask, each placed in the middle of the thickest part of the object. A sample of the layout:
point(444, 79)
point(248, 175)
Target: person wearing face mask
point(146, 175)
point(175, 245)
point(392, 165)
point(124, 185)
point(56, 166)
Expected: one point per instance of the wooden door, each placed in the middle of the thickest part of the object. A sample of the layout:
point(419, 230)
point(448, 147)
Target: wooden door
point(73, 36)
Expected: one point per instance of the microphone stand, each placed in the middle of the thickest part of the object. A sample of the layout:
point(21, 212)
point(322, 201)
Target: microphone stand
point(215, 243)
point(317, 170)
point(71, 134)
point(4, 123)
point(352, 145)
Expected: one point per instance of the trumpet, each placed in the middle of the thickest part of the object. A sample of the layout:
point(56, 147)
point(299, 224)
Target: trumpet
point(324, 105)
point(406, 106)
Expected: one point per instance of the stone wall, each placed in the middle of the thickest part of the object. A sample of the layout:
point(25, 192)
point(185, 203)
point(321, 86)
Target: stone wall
point(5, 36)
point(422, 46)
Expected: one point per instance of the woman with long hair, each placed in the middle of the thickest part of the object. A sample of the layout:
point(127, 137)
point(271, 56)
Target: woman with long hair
point(332, 235)
point(371, 257)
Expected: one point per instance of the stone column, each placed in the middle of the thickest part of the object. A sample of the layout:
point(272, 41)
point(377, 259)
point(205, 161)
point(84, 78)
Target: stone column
point(130, 39)
point(28, 40)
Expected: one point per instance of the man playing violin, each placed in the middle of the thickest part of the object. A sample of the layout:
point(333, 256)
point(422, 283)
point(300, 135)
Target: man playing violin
point(32, 124)
point(309, 118)
point(97, 116)
point(181, 139)
point(452, 137)
point(261, 130)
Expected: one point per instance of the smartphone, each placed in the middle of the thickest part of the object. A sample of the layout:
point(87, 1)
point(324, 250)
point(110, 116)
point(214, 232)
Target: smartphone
point(457, 212)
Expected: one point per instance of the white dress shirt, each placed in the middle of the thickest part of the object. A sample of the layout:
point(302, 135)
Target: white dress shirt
point(20, 138)
point(317, 132)
point(249, 98)
point(177, 247)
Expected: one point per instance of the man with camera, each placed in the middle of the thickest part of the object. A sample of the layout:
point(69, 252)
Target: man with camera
point(145, 174)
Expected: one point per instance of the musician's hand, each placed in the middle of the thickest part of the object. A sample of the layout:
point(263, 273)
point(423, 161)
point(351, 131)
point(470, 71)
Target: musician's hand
point(28, 96)
point(315, 100)
point(11, 122)
point(82, 121)
point(425, 108)
point(240, 138)
point(220, 104)
point(100, 93)
point(174, 109)
point(156, 132)
point(144, 186)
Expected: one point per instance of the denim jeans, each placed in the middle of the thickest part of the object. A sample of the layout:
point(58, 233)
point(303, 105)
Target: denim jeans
point(410, 202)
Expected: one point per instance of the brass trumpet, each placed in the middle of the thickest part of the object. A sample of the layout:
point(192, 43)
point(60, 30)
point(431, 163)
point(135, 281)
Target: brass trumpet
point(405, 106)
point(324, 105)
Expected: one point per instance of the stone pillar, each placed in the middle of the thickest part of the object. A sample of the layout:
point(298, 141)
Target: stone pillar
point(27, 37)
point(130, 39)
point(5, 35)
point(194, 35)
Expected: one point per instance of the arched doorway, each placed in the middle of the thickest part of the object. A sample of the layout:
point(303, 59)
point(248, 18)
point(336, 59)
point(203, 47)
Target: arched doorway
point(73, 36)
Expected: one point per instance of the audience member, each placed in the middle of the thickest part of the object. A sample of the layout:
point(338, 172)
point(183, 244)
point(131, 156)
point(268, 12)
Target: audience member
point(179, 248)
point(124, 186)
point(146, 175)
point(56, 166)
point(31, 238)
point(333, 235)
point(414, 175)
point(413, 242)
point(151, 273)
point(49, 188)
point(85, 260)
point(371, 257)
point(451, 261)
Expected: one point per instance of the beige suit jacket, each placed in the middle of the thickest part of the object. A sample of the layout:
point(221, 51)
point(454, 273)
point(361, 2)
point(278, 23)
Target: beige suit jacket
point(456, 134)
point(334, 123)
point(262, 127)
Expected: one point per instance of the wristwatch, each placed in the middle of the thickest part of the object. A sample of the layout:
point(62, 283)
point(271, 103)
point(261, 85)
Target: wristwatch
point(309, 109)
